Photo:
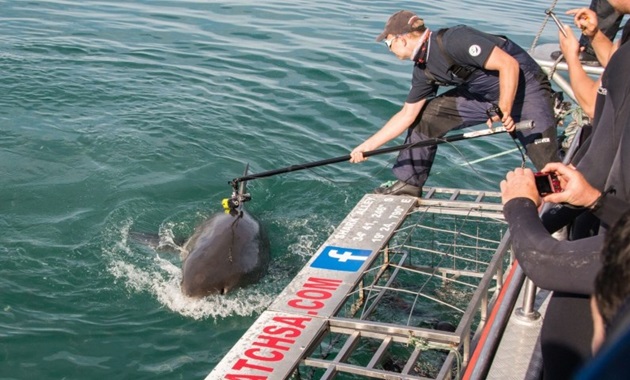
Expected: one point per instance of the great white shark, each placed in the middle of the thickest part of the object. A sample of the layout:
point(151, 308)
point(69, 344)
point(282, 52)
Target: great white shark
point(226, 251)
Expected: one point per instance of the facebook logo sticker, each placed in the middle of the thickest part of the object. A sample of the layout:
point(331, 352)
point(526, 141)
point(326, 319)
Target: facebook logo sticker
point(342, 259)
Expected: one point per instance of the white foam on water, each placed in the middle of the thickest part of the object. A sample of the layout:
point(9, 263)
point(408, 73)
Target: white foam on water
point(167, 236)
point(146, 271)
point(307, 241)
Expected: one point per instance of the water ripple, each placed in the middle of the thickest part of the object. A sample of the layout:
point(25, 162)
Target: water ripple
point(134, 115)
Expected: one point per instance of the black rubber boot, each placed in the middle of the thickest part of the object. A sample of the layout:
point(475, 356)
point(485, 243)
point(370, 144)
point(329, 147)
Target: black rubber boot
point(399, 188)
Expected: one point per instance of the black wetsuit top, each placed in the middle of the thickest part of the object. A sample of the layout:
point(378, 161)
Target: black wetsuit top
point(604, 152)
point(471, 48)
point(565, 266)
point(571, 266)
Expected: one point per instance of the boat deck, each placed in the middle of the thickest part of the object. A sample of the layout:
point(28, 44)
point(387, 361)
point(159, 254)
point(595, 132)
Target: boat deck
point(518, 355)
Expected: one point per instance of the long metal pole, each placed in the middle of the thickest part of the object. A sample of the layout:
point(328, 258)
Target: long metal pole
point(523, 125)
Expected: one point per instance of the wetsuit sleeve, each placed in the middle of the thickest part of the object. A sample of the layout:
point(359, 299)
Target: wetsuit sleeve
point(565, 266)
point(611, 209)
point(558, 216)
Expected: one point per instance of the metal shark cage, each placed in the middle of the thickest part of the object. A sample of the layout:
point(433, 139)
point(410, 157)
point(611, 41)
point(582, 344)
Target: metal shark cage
point(402, 289)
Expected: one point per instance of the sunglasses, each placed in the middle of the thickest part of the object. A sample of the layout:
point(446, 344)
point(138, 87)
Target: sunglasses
point(391, 41)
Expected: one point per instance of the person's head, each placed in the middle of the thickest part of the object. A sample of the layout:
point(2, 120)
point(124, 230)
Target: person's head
point(612, 283)
point(401, 33)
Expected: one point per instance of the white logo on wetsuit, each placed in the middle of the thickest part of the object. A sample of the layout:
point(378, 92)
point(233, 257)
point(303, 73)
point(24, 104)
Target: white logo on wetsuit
point(474, 50)
point(602, 91)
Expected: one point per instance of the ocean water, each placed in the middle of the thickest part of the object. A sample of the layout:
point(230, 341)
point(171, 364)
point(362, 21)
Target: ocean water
point(118, 117)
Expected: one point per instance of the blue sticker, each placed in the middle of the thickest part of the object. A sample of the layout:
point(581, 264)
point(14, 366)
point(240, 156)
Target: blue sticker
point(342, 259)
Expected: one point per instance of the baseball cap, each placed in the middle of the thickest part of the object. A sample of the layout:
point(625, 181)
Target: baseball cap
point(400, 22)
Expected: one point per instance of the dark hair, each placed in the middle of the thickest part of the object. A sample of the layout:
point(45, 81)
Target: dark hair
point(418, 25)
point(612, 284)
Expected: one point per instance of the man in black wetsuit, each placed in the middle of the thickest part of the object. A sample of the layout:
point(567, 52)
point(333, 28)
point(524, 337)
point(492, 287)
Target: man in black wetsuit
point(568, 267)
point(585, 88)
point(486, 71)
point(608, 20)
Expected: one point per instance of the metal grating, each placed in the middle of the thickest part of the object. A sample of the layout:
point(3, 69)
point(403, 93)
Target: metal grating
point(415, 311)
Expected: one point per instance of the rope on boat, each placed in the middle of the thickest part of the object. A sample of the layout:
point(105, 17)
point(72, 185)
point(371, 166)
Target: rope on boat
point(549, 11)
point(554, 67)
point(580, 119)
point(560, 110)
point(424, 345)
point(542, 27)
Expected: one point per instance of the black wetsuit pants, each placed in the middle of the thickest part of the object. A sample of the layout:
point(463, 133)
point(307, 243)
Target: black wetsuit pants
point(565, 338)
point(458, 108)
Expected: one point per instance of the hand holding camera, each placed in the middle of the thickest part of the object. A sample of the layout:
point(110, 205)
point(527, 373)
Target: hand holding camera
point(556, 183)
point(575, 190)
point(520, 183)
point(547, 183)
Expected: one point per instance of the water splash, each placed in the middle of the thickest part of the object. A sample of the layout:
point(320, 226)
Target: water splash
point(144, 270)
